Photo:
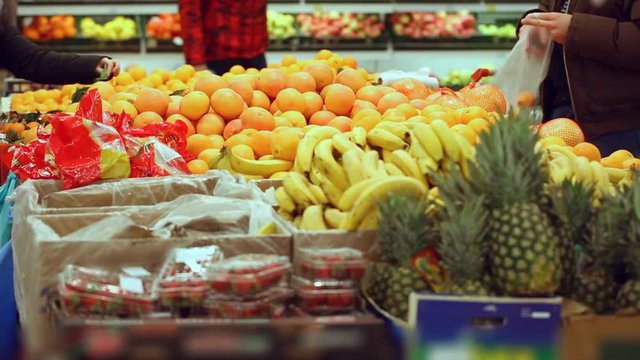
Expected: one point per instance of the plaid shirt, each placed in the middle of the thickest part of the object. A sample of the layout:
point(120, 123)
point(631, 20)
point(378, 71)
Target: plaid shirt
point(223, 29)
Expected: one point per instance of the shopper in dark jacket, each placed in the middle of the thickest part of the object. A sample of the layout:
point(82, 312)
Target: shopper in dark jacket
point(594, 76)
point(28, 61)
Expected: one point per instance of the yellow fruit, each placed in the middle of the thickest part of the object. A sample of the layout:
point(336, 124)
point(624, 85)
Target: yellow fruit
point(198, 166)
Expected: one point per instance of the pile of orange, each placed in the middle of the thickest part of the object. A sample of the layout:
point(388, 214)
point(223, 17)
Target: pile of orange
point(57, 27)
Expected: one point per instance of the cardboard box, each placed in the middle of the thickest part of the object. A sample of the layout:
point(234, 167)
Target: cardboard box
point(138, 236)
point(448, 327)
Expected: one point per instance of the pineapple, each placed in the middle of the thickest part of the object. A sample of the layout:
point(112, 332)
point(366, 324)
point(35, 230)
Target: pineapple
point(462, 229)
point(524, 246)
point(403, 232)
point(629, 296)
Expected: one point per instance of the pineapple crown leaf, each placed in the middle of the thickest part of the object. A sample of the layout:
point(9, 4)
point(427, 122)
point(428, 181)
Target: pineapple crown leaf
point(572, 205)
point(403, 229)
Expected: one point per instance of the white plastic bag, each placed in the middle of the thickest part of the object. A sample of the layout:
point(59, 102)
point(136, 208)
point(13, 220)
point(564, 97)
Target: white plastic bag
point(527, 65)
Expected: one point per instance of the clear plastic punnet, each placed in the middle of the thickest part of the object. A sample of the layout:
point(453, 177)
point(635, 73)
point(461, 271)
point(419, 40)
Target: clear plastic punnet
point(325, 297)
point(326, 264)
point(183, 283)
point(129, 292)
point(272, 304)
point(248, 275)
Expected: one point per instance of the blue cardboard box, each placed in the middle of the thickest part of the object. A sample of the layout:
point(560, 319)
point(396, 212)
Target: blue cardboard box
point(477, 328)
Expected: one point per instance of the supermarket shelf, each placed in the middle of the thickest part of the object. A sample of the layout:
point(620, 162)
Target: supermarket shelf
point(139, 7)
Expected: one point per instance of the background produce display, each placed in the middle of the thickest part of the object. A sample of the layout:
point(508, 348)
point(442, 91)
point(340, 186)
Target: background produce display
point(434, 25)
point(346, 25)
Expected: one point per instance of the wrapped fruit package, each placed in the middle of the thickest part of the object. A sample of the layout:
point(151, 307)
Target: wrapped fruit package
point(326, 296)
point(271, 304)
point(337, 264)
point(248, 275)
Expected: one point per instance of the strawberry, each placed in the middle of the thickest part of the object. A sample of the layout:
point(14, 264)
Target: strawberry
point(323, 271)
point(243, 286)
point(356, 271)
point(220, 284)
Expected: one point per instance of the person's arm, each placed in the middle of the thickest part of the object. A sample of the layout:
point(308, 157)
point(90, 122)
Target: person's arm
point(606, 39)
point(191, 19)
point(28, 61)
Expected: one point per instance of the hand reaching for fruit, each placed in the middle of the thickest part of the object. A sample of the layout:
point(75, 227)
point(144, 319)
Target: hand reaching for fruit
point(107, 68)
point(556, 23)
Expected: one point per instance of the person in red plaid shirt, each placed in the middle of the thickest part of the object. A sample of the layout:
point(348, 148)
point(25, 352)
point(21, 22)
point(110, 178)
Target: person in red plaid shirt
point(218, 34)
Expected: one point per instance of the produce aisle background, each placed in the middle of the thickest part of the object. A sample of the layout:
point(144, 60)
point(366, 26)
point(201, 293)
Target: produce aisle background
point(389, 51)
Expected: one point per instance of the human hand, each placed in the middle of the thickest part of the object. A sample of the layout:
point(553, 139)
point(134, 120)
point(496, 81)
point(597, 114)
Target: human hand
point(107, 68)
point(556, 23)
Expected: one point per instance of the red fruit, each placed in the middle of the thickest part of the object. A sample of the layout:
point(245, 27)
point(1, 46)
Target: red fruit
point(220, 284)
point(243, 286)
point(323, 272)
point(356, 271)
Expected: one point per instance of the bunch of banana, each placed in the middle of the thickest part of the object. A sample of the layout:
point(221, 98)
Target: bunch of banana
point(262, 168)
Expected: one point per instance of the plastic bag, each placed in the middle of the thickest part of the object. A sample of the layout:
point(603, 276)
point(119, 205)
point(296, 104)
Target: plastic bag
point(527, 65)
point(31, 161)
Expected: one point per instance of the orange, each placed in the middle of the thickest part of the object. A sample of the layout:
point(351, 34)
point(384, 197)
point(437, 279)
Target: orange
point(447, 99)
point(233, 127)
point(290, 100)
point(210, 124)
point(391, 101)
point(360, 105)
point(197, 143)
point(198, 166)
point(612, 162)
point(324, 54)
point(237, 139)
point(17, 127)
point(313, 103)
point(412, 88)
point(566, 129)
point(341, 123)
point(479, 125)
point(350, 62)
point(587, 150)
point(257, 118)
point(526, 99)
point(152, 100)
point(284, 144)
point(209, 84)
point(173, 108)
point(322, 73)
point(146, 118)
point(295, 118)
point(194, 105)
point(488, 96)
point(260, 99)
point(351, 78)
point(177, 117)
point(243, 88)
point(419, 103)
point(137, 72)
point(237, 69)
point(631, 163)
point(271, 82)
point(121, 106)
point(261, 143)
point(124, 79)
point(280, 122)
point(184, 73)
point(227, 103)
point(326, 89)
point(274, 108)
point(302, 82)
point(467, 132)
point(288, 60)
point(249, 132)
point(322, 118)
point(340, 100)
point(370, 93)
point(386, 89)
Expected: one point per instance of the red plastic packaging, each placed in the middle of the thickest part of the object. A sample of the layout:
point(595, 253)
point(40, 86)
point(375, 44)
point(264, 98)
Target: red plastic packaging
point(326, 264)
point(100, 292)
point(183, 284)
point(30, 161)
point(325, 297)
point(271, 305)
point(248, 275)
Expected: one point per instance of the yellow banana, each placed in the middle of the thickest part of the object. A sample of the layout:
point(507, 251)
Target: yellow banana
point(351, 195)
point(267, 157)
point(370, 163)
point(408, 165)
point(560, 169)
point(467, 150)
point(370, 222)
point(447, 139)
point(396, 128)
point(332, 192)
point(383, 139)
point(600, 177)
point(313, 219)
point(308, 143)
point(386, 155)
point(380, 169)
point(352, 164)
point(368, 200)
point(564, 150)
point(279, 175)
point(264, 168)
point(297, 221)
point(297, 187)
point(334, 217)
point(427, 165)
point(342, 143)
point(328, 165)
point(429, 141)
point(425, 161)
point(359, 136)
point(615, 175)
point(583, 170)
point(224, 163)
point(318, 194)
point(392, 170)
point(285, 201)
point(285, 214)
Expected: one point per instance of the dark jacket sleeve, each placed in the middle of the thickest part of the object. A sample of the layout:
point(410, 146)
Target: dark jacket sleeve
point(28, 61)
point(608, 40)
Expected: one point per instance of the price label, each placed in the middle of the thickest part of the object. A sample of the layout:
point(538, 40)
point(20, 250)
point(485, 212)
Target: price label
point(131, 284)
point(136, 271)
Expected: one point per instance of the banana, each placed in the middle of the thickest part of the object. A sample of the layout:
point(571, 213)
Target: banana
point(297, 187)
point(332, 192)
point(392, 170)
point(264, 168)
point(583, 170)
point(398, 129)
point(425, 161)
point(384, 139)
point(342, 143)
point(334, 217)
point(370, 222)
point(600, 177)
point(297, 221)
point(359, 136)
point(328, 165)
point(370, 163)
point(279, 175)
point(408, 165)
point(560, 169)
point(380, 169)
point(368, 199)
point(386, 155)
point(615, 175)
point(313, 219)
point(467, 150)
point(427, 165)
point(285, 201)
point(267, 157)
point(352, 164)
point(308, 143)
point(447, 139)
point(351, 195)
point(224, 163)
point(429, 141)
point(318, 194)
point(564, 150)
